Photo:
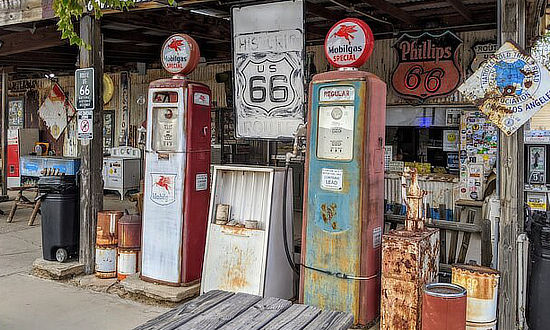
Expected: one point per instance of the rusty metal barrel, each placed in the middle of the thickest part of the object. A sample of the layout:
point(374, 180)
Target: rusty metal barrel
point(129, 244)
point(107, 227)
point(443, 307)
point(105, 261)
point(106, 243)
point(127, 263)
point(129, 232)
point(481, 283)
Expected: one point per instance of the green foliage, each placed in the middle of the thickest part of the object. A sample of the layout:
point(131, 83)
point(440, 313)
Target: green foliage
point(68, 11)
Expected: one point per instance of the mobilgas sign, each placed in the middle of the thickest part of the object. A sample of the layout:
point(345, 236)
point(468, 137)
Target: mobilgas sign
point(180, 54)
point(349, 43)
point(427, 65)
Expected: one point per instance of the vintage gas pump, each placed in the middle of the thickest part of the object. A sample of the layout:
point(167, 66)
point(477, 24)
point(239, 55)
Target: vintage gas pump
point(177, 169)
point(344, 189)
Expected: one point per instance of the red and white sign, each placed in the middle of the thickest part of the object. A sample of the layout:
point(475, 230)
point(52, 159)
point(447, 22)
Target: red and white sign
point(180, 54)
point(349, 43)
point(163, 190)
point(427, 65)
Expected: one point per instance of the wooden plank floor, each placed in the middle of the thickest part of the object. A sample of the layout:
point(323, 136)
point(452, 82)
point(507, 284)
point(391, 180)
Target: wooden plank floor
point(241, 311)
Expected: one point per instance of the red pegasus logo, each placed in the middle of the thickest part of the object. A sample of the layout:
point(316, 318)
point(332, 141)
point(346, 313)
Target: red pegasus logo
point(175, 45)
point(346, 31)
point(163, 182)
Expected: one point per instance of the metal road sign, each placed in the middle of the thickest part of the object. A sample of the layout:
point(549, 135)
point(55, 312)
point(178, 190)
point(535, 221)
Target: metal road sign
point(268, 62)
point(509, 88)
point(85, 125)
point(84, 89)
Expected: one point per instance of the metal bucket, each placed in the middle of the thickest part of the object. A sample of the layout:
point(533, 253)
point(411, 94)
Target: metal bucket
point(481, 326)
point(129, 232)
point(107, 231)
point(127, 263)
point(105, 261)
point(482, 286)
point(443, 307)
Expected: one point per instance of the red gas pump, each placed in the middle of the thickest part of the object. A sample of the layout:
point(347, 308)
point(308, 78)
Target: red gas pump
point(177, 169)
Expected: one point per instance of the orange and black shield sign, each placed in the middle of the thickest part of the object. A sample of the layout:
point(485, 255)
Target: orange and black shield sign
point(427, 65)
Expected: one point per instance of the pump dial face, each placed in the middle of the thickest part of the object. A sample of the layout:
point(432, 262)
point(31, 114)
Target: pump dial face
point(336, 113)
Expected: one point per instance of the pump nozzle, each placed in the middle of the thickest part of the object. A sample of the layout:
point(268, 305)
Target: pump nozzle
point(299, 135)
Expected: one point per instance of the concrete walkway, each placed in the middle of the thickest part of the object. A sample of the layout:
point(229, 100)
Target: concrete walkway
point(27, 302)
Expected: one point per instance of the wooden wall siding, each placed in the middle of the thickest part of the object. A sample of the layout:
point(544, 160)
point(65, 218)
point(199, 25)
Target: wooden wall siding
point(22, 11)
point(384, 60)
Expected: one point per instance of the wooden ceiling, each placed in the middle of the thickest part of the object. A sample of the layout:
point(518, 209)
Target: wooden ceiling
point(136, 36)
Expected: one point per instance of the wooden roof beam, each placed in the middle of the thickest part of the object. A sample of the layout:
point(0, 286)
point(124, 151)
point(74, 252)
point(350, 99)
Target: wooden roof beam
point(461, 8)
point(20, 42)
point(321, 11)
point(392, 10)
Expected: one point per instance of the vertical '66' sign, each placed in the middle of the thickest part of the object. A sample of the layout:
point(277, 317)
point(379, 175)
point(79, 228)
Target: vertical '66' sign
point(268, 69)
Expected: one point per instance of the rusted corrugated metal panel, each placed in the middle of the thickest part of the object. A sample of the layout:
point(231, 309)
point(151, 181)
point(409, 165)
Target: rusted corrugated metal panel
point(383, 61)
point(482, 285)
point(409, 261)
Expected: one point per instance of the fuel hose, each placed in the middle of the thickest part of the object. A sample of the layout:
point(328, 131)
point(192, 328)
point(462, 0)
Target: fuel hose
point(295, 266)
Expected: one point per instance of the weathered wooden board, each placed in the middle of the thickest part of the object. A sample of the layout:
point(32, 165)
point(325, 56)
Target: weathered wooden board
point(240, 311)
point(294, 318)
point(331, 320)
point(222, 313)
point(258, 315)
point(182, 314)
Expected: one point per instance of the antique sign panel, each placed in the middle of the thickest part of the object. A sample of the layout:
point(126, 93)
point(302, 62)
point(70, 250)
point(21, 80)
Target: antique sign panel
point(268, 64)
point(509, 88)
point(427, 65)
point(482, 52)
point(54, 111)
point(16, 112)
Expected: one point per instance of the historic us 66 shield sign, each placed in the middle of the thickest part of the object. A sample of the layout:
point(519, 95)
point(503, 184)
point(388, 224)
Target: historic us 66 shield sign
point(268, 86)
point(268, 69)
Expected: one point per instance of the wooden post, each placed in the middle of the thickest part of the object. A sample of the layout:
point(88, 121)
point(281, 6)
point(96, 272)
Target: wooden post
point(4, 132)
point(510, 171)
point(91, 181)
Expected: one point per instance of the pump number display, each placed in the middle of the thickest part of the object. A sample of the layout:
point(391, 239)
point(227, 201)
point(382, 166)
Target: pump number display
point(335, 132)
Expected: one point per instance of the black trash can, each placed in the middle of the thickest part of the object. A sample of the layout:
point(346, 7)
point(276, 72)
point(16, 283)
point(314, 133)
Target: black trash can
point(60, 216)
point(538, 286)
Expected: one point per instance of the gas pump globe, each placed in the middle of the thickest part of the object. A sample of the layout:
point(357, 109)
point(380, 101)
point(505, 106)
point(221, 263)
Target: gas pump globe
point(177, 170)
point(344, 179)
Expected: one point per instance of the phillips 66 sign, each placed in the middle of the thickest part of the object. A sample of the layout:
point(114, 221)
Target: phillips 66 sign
point(268, 64)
